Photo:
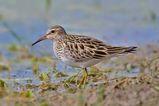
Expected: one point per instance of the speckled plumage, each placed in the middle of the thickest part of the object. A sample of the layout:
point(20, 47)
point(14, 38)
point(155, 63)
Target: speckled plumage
point(83, 51)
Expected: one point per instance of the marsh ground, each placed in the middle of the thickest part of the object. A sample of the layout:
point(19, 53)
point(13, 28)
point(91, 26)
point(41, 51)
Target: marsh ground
point(115, 85)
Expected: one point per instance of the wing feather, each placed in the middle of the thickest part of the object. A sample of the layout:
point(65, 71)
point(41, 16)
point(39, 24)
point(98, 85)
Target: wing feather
point(83, 48)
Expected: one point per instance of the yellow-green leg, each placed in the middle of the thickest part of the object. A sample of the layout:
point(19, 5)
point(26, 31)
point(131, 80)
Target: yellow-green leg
point(84, 78)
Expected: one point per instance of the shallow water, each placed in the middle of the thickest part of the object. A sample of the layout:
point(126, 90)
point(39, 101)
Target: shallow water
point(126, 22)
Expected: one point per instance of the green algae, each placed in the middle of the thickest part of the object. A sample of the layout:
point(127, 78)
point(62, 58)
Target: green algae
point(60, 74)
point(4, 64)
point(13, 47)
point(44, 76)
point(48, 86)
point(2, 84)
point(4, 67)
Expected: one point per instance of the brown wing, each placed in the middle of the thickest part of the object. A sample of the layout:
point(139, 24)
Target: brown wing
point(82, 48)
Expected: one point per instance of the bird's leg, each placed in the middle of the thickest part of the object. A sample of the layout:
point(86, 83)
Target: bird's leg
point(84, 78)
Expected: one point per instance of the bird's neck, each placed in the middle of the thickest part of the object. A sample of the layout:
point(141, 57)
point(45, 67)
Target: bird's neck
point(60, 37)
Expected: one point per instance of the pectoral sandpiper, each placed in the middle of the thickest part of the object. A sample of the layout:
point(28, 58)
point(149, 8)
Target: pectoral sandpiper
point(81, 51)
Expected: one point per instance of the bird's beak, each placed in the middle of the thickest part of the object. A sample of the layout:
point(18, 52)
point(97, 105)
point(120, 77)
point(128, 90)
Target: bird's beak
point(40, 39)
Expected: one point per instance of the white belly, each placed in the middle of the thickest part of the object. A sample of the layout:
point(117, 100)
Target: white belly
point(80, 64)
point(70, 62)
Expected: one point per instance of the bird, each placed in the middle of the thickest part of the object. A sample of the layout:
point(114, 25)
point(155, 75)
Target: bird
point(81, 51)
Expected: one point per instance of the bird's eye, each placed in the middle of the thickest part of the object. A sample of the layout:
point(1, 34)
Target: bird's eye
point(52, 31)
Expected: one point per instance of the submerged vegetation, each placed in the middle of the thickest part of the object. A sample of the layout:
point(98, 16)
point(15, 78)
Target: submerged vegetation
point(60, 88)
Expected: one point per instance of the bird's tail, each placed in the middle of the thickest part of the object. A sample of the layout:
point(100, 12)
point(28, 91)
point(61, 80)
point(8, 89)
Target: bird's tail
point(121, 50)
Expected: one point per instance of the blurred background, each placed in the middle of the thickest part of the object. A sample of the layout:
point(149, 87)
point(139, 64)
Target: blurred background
point(126, 22)
point(117, 22)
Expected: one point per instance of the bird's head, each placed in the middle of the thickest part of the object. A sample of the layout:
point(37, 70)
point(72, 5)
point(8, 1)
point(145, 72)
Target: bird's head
point(53, 33)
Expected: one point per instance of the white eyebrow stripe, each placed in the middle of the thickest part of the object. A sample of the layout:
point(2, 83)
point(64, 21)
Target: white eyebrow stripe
point(48, 32)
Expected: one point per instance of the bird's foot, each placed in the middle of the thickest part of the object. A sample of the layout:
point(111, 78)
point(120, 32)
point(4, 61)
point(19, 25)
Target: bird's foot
point(84, 80)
